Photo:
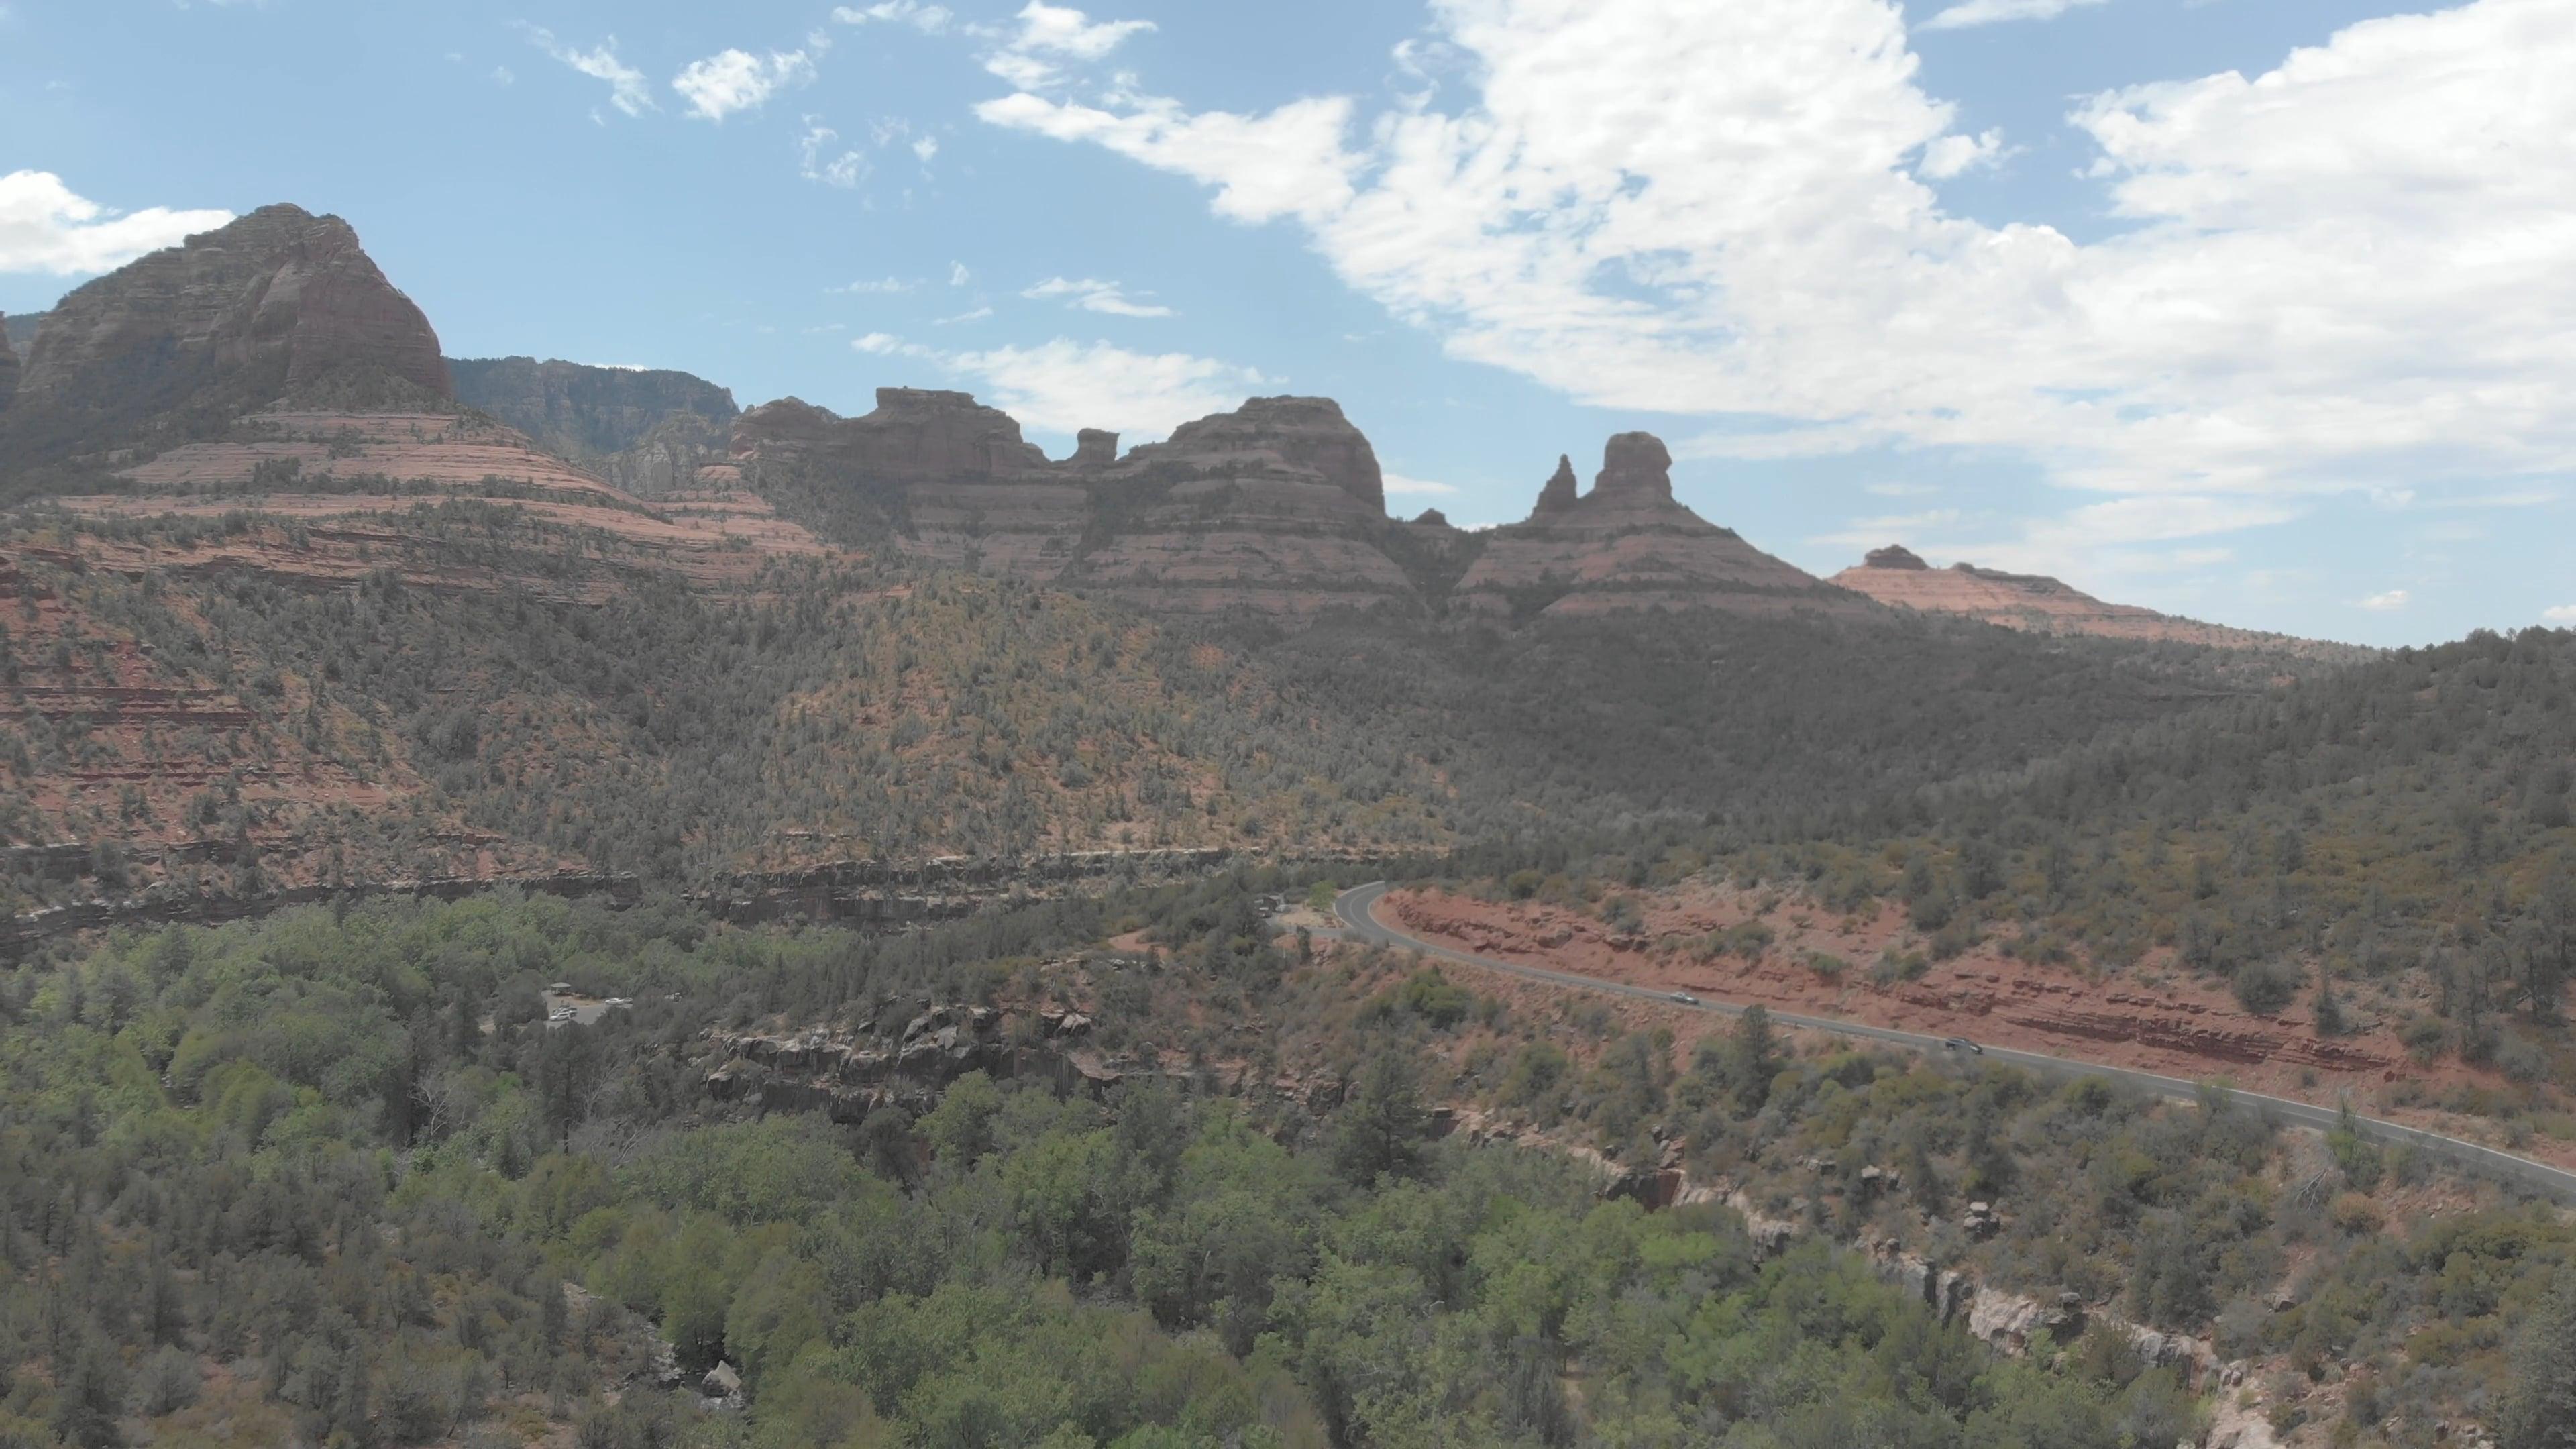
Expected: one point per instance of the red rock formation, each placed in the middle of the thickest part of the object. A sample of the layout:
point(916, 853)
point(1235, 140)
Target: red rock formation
point(1559, 492)
point(1635, 465)
point(2034, 602)
point(1095, 448)
point(1294, 435)
point(230, 320)
point(915, 435)
point(1627, 545)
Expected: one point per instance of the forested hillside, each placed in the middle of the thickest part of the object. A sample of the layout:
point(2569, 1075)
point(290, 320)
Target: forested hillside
point(335, 1177)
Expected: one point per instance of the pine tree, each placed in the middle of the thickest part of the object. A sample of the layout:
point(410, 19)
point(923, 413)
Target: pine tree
point(2539, 1406)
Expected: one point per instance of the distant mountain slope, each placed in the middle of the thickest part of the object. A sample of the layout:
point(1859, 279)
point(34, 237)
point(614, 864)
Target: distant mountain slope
point(647, 431)
point(1896, 576)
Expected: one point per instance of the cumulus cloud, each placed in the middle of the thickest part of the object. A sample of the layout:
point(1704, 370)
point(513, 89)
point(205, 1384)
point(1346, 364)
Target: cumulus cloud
point(2563, 614)
point(1096, 296)
point(1989, 12)
point(1063, 386)
point(736, 80)
point(1033, 55)
point(47, 227)
point(2387, 603)
point(2355, 272)
point(627, 88)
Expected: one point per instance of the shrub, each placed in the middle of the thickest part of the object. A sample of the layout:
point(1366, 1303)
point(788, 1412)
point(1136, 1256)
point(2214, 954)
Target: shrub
point(2264, 987)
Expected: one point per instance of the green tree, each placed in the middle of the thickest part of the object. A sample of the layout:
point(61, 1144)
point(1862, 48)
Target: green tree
point(2539, 1406)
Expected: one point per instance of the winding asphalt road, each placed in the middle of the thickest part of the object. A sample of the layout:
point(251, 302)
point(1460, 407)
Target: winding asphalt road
point(1356, 908)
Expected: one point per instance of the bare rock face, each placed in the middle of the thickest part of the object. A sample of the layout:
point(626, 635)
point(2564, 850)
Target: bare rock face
point(1295, 434)
point(8, 366)
point(915, 435)
point(645, 431)
point(228, 321)
point(1628, 546)
point(1635, 465)
point(19, 331)
point(1897, 577)
point(1558, 493)
point(1095, 448)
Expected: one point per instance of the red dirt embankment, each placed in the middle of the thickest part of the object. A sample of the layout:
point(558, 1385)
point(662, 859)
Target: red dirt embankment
point(2153, 1017)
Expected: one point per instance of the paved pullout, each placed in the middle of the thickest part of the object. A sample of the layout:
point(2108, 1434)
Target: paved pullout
point(1356, 909)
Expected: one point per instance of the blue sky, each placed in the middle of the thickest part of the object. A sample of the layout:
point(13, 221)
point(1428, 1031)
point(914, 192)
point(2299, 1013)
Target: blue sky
point(2258, 310)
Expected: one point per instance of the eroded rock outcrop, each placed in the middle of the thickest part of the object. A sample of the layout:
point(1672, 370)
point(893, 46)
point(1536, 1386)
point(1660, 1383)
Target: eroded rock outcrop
point(1560, 491)
point(230, 320)
point(914, 435)
point(1628, 545)
point(8, 366)
point(647, 431)
point(1896, 576)
point(1287, 435)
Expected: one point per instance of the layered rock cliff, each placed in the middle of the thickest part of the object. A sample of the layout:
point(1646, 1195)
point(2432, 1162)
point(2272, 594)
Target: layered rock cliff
point(1277, 506)
point(1898, 577)
point(1629, 545)
point(19, 330)
point(279, 302)
point(646, 431)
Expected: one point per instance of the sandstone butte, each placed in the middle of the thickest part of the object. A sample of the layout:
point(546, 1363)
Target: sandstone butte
point(1897, 577)
point(294, 369)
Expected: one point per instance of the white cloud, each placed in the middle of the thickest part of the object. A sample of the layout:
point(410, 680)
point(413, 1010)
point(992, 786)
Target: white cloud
point(627, 88)
point(736, 80)
point(1988, 12)
point(1397, 483)
point(1062, 386)
point(1289, 162)
point(815, 161)
point(1956, 155)
point(928, 19)
point(502, 75)
point(883, 286)
point(976, 314)
point(2563, 614)
point(958, 276)
point(2354, 273)
point(1032, 56)
point(2387, 603)
point(1096, 296)
point(925, 148)
point(46, 227)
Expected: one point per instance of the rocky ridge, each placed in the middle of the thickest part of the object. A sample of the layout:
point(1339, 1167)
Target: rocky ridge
point(1899, 578)
point(646, 431)
point(1628, 545)
point(278, 302)
point(1277, 507)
